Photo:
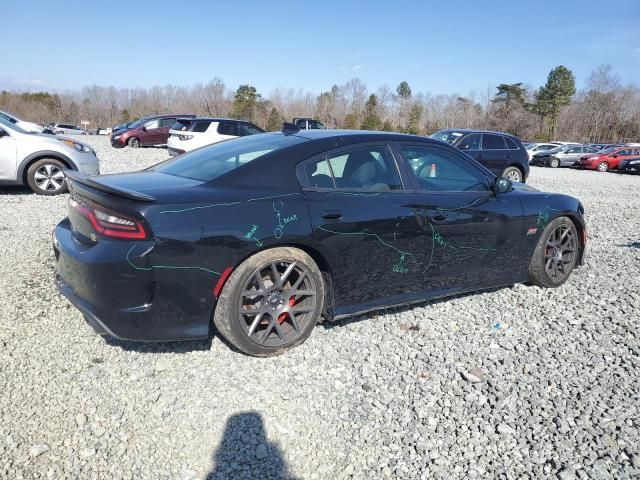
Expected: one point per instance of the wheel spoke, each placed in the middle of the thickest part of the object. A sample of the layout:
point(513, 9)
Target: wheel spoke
point(267, 331)
point(39, 175)
point(301, 277)
point(302, 309)
point(286, 273)
point(55, 184)
point(48, 169)
point(279, 331)
point(58, 175)
point(255, 323)
point(294, 321)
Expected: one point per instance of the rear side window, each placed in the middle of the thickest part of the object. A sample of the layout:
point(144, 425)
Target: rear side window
point(624, 152)
point(228, 128)
point(248, 129)
point(181, 124)
point(438, 170)
point(369, 168)
point(470, 142)
point(492, 142)
point(201, 126)
point(510, 143)
point(211, 162)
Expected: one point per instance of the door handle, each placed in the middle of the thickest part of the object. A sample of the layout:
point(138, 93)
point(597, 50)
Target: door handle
point(334, 215)
point(439, 217)
point(479, 156)
point(508, 156)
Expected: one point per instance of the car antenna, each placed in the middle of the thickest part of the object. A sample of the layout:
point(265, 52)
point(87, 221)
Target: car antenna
point(289, 128)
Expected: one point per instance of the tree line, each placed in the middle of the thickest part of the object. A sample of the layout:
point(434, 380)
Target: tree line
point(605, 110)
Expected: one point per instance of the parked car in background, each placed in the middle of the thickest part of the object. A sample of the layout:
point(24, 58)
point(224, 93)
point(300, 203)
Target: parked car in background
point(123, 126)
point(308, 124)
point(66, 129)
point(564, 143)
point(538, 147)
point(607, 159)
point(263, 235)
point(39, 160)
point(190, 133)
point(629, 165)
point(501, 153)
point(148, 131)
point(27, 126)
point(561, 156)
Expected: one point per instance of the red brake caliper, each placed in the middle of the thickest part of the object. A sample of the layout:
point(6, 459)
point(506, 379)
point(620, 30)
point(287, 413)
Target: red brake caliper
point(283, 316)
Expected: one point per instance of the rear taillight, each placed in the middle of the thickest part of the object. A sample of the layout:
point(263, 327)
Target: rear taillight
point(109, 223)
point(185, 137)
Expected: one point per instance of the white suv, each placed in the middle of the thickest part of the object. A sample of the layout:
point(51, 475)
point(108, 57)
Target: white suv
point(28, 126)
point(191, 133)
point(39, 159)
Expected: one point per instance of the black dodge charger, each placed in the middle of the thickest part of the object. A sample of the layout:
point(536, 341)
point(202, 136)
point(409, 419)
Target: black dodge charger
point(264, 236)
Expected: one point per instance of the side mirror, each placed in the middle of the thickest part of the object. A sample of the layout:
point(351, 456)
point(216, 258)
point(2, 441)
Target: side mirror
point(503, 185)
point(615, 155)
point(143, 128)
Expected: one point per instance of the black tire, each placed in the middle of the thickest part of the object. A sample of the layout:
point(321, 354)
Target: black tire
point(513, 173)
point(133, 142)
point(45, 177)
point(602, 167)
point(271, 330)
point(561, 258)
point(554, 163)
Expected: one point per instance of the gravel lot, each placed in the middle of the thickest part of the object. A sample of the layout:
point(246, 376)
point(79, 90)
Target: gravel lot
point(516, 383)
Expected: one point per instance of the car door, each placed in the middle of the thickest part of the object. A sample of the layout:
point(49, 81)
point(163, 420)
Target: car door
point(474, 235)
point(8, 160)
point(571, 155)
point(365, 225)
point(150, 132)
point(471, 144)
point(494, 153)
point(163, 131)
point(228, 130)
point(622, 155)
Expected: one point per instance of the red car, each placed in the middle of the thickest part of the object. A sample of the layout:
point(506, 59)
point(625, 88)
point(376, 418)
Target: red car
point(147, 131)
point(607, 159)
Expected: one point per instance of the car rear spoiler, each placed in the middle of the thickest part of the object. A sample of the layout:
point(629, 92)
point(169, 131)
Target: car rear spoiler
point(94, 182)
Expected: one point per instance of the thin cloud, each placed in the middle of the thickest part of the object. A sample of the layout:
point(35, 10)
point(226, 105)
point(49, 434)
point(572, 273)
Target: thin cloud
point(355, 68)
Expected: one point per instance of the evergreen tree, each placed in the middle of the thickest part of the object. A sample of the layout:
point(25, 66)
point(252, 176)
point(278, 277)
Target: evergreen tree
point(274, 122)
point(404, 91)
point(244, 102)
point(351, 121)
point(371, 119)
point(557, 93)
point(413, 123)
point(387, 126)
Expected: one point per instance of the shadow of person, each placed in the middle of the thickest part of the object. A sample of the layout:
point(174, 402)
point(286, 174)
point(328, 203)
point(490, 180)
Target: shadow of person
point(245, 453)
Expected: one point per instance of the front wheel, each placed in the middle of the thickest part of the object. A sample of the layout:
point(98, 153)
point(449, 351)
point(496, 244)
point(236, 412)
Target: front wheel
point(555, 255)
point(45, 177)
point(603, 167)
point(133, 142)
point(271, 302)
point(512, 173)
point(555, 163)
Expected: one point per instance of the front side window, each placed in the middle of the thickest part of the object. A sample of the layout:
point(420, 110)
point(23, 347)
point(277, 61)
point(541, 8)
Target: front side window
point(624, 152)
point(370, 168)
point(152, 124)
point(437, 170)
point(167, 122)
point(492, 142)
point(575, 150)
point(470, 142)
point(201, 126)
point(228, 128)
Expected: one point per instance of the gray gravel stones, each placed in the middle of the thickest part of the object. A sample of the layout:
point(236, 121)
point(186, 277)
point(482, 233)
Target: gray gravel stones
point(363, 398)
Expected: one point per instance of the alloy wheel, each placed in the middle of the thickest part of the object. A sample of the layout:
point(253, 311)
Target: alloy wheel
point(560, 253)
point(277, 302)
point(49, 178)
point(603, 167)
point(514, 175)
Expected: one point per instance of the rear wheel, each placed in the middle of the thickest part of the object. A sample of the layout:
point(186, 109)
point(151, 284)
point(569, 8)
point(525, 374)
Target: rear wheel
point(45, 177)
point(133, 142)
point(512, 173)
point(271, 302)
point(555, 255)
point(603, 167)
point(555, 163)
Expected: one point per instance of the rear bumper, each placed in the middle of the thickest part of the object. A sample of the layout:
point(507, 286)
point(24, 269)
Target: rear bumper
point(126, 302)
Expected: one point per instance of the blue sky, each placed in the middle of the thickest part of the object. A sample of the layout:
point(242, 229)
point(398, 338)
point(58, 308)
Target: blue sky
point(440, 47)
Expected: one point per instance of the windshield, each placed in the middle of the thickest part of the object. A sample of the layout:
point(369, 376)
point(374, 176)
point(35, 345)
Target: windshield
point(11, 126)
point(211, 162)
point(448, 136)
point(137, 123)
point(609, 150)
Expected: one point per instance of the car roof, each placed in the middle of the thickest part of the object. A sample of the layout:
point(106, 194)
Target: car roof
point(220, 119)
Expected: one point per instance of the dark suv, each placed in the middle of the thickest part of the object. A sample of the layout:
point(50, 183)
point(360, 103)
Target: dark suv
point(501, 153)
point(152, 130)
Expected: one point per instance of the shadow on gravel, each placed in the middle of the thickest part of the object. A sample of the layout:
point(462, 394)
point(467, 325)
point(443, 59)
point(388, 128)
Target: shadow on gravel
point(403, 308)
point(16, 190)
point(244, 452)
point(631, 245)
point(160, 347)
